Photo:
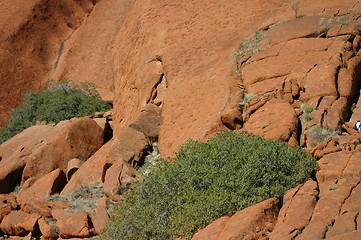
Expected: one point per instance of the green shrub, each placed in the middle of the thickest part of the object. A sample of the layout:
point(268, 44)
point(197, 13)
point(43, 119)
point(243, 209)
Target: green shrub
point(205, 181)
point(59, 101)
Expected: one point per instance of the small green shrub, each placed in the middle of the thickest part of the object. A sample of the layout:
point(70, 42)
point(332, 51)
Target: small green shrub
point(205, 181)
point(59, 101)
point(307, 112)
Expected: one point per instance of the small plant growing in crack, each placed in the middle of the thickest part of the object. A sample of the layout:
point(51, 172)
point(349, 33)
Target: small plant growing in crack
point(307, 110)
point(332, 188)
point(246, 99)
point(295, 5)
point(251, 45)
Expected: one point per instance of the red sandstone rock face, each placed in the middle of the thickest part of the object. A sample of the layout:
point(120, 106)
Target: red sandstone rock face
point(86, 55)
point(197, 56)
point(31, 36)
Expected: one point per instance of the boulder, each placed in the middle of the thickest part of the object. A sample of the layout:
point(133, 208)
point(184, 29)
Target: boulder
point(43, 188)
point(19, 223)
point(129, 147)
point(253, 222)
point(48, 231)
point(7, 204)
point(118, 178)
point(148, 121)
point(72, 224)
point(276, 119)
point(43, 149)
point(99, 215)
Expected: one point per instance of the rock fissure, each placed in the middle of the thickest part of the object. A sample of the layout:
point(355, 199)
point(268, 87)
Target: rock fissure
point(355, 221)
point(347, 163)
point(61, 49)
point(349, 194)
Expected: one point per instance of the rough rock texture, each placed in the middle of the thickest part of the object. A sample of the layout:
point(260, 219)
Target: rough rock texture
point(251, 223)
point(327, 208)
point(276, 119)
point(175, 76)
point(128, 147)
point(19, 223)
point(198, 60)
point(41, 149)
point(99, 215)
point(118, 178)
point(7, 204)
point(72, 224)
point(47, 231)
point(85, 55)
point(30, 42)
point(45, 186)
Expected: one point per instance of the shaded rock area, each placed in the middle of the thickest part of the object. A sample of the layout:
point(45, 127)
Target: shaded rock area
point(30, 43)
point(70, 196)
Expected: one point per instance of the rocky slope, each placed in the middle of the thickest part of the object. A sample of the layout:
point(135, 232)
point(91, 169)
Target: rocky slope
point(170, 67)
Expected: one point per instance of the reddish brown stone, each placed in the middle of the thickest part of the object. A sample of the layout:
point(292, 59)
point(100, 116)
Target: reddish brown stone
point(232, 118)
point(99, 215)
point(343, 224)
point(118, 178)
point(19, 223)
point(276, 119)
point(296, 211)
point(148, 121)
point(252, 221)
point(43, 149)
point(129, 147)
point(72, 224)
point(7, 204)
point(212, 231)
point(48, 232)
point(41, 190)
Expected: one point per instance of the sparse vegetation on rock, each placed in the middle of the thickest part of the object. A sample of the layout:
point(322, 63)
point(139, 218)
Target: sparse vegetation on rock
point(59, 101)
point(205, 181)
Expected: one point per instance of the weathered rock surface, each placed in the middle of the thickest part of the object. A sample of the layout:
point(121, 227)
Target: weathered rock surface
point(93, 42)
point(19, 223)
point(30, 42)
point(200, 73)
point(129, 147)
point(177, 78)
point(7, 204)
point(41, 190)
point(72, 224)
point(41, 149)
point(99, 215)
point(276, 119)
point(253, 222)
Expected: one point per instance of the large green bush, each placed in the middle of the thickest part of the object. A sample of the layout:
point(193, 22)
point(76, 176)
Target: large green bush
point(59, 101)
point(205, 181)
